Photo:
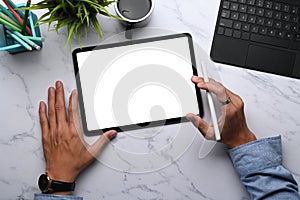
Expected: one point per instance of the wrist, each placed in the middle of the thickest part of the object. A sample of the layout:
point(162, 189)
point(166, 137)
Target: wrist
point(241, 139)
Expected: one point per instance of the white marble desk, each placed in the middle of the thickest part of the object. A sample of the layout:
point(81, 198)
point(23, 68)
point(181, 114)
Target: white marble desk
point(272, 108)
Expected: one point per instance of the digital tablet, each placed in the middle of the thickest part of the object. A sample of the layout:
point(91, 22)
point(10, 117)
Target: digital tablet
point(136, 84)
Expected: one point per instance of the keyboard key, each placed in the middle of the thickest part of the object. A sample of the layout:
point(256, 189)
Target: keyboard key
point(237, 25)
point(243, 17)
point(277, 15)
point(252, 19)
point(263, 30)
point(254, 29)
point(294, 28)
point(246, 27)
point(260, 11)
point(242, 1)
point(234, 16)
point(269, 13)
point(271, 32)
point(286, 17)
point(226, 4)
point(260, 3)
point(269, 23)
point(280, 34)
point(260, 21)
point(269, 40)
point(297, 37)
point(234, 6)
point(294, 10)
point(226, 22)
point(286, 8)
point(251, 2)
point(245, 36)
point(289, 36)
point(278, 24)
point(251, 10)
point(295, 19)
point(287, 26)
point(277, 6)
point(225, 13)
point(221, 30)
point(228, 32)
point(268, 4)
point(237, 34)
point(243, 8)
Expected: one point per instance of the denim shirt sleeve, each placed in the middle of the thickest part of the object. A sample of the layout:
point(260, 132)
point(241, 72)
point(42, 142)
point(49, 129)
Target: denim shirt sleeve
point(55, 197)
point(259, 165)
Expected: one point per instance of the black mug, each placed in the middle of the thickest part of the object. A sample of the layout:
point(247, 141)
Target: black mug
point(135, 13)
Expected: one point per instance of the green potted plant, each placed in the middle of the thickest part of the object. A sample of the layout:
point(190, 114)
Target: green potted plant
point(77, 15)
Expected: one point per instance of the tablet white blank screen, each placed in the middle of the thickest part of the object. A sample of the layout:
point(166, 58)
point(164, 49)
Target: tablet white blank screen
point(137, 83)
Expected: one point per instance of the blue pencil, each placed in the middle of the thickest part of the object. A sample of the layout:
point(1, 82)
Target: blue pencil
point(10, 47)
point(31, 24)
point(24, 44)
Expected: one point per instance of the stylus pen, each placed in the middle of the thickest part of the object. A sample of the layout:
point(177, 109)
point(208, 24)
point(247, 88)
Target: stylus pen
point(211, 105)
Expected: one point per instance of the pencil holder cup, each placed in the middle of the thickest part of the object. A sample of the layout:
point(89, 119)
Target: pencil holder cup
point(6, 41)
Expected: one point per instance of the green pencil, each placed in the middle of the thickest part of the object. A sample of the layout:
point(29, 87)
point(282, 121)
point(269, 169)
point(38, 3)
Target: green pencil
point(25, 19)
point(2, 21)
point(5, 11)
point(8, 19)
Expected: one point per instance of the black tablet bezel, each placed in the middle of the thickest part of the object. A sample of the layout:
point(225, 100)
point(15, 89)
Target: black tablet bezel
point(144, 124)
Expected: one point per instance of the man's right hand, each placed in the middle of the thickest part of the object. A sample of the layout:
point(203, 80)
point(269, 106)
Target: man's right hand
point(233, 127)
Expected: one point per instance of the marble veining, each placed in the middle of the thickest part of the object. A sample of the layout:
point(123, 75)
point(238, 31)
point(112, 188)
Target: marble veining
point(271, 106)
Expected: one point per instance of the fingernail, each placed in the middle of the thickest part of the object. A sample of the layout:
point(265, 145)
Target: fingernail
point(74, 92)
point(58, 84)
point(194, 77)
point(42, 105)
point(51, 90)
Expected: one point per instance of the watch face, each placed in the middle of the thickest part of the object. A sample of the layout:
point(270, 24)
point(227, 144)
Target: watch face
point(43, 183)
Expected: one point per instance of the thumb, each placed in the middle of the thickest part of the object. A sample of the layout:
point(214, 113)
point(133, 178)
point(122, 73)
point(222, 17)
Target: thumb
point(96, 148)
point(198, 123)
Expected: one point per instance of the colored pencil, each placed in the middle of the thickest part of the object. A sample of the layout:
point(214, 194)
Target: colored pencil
point(10, 47)
point(34, 45)
point(17, 16)
point(5, 11)
point(25, 19)
point(24, 44)
point(31, 24)
point(2, 21)
point(15, 8)
point(8, 19)
point(36, 39)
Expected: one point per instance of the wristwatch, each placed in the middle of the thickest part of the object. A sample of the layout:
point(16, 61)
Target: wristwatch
point(46, 184)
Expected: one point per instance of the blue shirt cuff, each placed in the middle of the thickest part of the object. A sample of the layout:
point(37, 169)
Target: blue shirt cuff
point(55, 197)
point(257, 155)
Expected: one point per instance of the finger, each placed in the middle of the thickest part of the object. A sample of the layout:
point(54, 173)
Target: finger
point(198, 123)
point(60, 105)
point(196, 79)
point(43, 118)
point(74, 118)
point(51, 108)
point(102, 141)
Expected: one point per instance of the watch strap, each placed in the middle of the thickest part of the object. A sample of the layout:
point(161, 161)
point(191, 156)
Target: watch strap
point(62, 186)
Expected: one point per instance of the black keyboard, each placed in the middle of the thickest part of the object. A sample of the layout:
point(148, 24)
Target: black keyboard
point(262, 21)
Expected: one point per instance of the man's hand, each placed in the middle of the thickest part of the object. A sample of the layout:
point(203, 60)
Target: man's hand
point(65, 150)
point(232, 123)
